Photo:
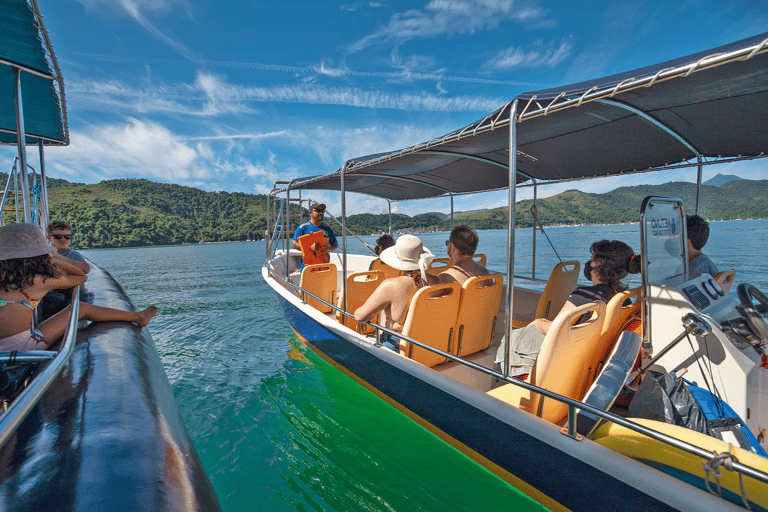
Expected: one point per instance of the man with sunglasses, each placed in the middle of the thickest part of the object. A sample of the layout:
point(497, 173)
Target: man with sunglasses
point(60, 236)
point(316, 216)
point(460, 248)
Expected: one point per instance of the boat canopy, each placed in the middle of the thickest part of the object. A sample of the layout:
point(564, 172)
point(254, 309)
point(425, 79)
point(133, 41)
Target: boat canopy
point(25, 46)
point(706, 108)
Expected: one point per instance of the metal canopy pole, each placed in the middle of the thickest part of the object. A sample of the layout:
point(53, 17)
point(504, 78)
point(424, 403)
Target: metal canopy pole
point(22, 142)
point(44, 183)
point(667, 129)
point(451, 212)
point(389, 203)
point(343, 238)
point(533, 259)
point(511, 231)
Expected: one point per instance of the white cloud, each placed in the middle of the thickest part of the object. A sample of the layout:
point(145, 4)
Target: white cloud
point(449, 17)
point(535, 55)
point(139, 9)
point(213, 95)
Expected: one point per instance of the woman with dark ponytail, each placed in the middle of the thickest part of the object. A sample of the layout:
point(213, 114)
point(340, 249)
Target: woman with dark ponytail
point(610, 262)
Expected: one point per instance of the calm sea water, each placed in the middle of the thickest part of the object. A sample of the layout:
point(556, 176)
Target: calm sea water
point(278, 428)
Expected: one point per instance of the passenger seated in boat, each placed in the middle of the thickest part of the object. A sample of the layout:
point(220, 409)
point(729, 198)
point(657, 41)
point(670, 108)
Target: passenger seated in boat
point(384, 242)
point(610, 262)
point(60, 235)
point(698, 234)
point(393, 296)
point(29, 268)
point(460, 246)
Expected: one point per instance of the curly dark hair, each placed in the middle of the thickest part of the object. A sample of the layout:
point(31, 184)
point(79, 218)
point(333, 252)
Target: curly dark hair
point(384, 242)
point(465, 240)
point(613, 260)
point(21, 272)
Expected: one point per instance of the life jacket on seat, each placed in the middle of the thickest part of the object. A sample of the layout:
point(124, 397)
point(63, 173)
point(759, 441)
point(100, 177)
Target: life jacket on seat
point(309, 256)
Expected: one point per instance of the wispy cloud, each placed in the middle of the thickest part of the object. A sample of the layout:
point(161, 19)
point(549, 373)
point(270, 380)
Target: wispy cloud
point(212, 95)
point(449, 17)
point(140, 10)
point(536, 55)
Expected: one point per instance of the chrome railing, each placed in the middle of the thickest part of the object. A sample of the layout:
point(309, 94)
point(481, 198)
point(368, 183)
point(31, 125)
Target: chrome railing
point(573, 405)
point(19, 408)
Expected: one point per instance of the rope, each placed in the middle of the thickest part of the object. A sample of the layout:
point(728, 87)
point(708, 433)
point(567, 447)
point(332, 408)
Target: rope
point(541, 228)
point(712, 467)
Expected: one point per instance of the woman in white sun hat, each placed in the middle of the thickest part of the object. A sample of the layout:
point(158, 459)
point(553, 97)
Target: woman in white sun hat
point(394, 295)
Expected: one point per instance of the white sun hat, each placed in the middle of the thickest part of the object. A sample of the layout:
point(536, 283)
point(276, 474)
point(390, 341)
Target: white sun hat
point(407, 254)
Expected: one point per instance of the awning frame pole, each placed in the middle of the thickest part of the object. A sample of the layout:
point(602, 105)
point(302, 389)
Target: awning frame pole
point(389, 204)
point(533, 258)
point(451, 212)
point(343, 237)
point(511, 231)
point(22, 142)
point(44, 183)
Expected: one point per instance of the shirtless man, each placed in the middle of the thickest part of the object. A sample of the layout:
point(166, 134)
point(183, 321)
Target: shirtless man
point(461, 246)
point(393, 296)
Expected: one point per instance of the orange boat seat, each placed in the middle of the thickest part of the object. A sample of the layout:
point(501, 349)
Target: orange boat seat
point(439, 265)
point(377, 264)
point(562, 365)
point(725, 279)
point(478, 314)
point(320, 280)
point(431, 320)
point(616, 317)
point(561, 283)
point(360, 286)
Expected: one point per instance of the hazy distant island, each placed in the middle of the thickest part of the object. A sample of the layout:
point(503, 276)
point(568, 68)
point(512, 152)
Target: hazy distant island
point(130, 213)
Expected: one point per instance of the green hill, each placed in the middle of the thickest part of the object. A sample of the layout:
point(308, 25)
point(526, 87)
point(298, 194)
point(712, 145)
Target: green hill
point(124, 213)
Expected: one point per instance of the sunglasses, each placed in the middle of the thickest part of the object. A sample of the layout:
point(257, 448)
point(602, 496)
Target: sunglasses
point(319, 210)
point(447, 243)
point(59, 237)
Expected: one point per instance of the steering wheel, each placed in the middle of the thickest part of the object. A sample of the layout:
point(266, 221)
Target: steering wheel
point(755, 320)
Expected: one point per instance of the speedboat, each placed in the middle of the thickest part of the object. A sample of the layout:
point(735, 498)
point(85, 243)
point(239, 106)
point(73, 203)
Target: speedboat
point(658, 401)
point(92, 426)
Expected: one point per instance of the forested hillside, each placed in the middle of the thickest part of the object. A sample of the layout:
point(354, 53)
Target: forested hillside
point(123, 213)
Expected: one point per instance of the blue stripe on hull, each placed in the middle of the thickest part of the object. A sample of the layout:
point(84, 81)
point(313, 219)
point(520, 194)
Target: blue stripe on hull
point(562, 477)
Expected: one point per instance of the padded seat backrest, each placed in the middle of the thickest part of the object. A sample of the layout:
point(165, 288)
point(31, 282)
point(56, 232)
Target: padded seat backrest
point(561, 283)
point(320, 280)
point(377, 264)
point(616, 316)
point(479, 259)
point(725, 279)
point(439, 265)
point(478, 314)
point(431, 320)
point(360, 286)
point(562, 365)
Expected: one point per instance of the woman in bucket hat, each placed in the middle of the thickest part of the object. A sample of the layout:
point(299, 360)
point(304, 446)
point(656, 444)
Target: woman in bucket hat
point(29, 268)
point(394, 295)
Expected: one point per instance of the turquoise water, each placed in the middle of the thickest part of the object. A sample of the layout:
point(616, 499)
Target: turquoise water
point(278, 428)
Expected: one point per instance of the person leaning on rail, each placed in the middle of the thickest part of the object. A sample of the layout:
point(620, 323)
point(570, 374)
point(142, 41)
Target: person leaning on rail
point(460, 247)
point(393, 296)
point(610, 262)
point(60, 236)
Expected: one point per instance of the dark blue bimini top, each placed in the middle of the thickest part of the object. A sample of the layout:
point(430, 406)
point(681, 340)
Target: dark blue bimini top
point(24, 44)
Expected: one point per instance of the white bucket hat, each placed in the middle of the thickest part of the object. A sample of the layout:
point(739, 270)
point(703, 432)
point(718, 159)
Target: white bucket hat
point(23, 240)
point(407, 254)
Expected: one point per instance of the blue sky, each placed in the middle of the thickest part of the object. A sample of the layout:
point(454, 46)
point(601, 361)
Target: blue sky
point(233, 95)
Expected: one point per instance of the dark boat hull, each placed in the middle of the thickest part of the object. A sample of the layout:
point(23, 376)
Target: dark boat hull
point(107, 435)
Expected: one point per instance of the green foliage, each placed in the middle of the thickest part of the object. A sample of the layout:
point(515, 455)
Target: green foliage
point(125, 213)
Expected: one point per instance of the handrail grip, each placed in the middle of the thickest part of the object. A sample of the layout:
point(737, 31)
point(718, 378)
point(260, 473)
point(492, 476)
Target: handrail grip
point(658, 436)
point(29, 397)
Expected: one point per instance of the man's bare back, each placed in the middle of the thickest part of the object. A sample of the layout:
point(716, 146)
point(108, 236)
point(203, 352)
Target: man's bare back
point(462, 270)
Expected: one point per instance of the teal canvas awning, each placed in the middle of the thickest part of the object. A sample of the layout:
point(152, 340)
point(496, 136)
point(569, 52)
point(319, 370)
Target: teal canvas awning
point(24, 45)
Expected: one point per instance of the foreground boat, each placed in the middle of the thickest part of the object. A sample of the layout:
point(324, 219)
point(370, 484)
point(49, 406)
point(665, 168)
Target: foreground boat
point(92, 426)
point(562, 436)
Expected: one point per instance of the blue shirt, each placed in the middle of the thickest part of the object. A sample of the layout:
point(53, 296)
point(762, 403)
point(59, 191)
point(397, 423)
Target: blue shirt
point(702, 265)
point(308, 227)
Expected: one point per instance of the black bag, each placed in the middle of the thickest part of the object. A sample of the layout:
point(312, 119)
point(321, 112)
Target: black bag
point(661, 397)
point(13, 376)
